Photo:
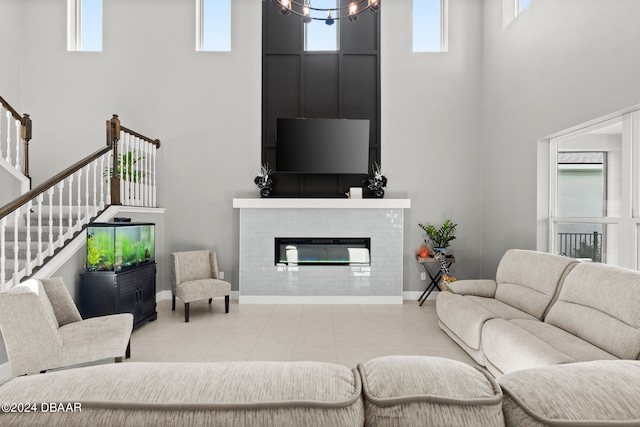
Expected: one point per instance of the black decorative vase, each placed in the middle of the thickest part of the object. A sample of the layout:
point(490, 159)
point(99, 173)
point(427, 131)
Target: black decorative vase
point(265, 192)
point(378, 193)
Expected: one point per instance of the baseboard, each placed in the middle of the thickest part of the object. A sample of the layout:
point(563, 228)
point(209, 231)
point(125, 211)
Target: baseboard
point(414, 295)
point(406, 295)
point(328, 299)
point(167, 295)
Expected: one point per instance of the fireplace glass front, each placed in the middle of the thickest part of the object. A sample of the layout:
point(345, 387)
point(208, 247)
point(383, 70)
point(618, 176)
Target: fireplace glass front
point(322, 251)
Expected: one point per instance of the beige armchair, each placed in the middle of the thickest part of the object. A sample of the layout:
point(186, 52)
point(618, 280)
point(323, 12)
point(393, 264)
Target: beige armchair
point(42, 329)
point(194, 277)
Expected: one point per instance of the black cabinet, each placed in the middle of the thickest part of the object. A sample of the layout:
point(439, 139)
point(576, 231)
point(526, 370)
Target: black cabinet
point(128, 291)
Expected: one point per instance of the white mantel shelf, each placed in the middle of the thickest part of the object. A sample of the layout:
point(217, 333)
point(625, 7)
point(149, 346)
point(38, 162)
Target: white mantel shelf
point(302, 203)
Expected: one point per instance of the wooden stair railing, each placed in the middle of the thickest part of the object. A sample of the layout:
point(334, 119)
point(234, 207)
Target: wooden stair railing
point(32, 230)
point(10, 146)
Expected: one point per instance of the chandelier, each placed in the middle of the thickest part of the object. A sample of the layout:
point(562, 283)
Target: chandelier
point(328, 15)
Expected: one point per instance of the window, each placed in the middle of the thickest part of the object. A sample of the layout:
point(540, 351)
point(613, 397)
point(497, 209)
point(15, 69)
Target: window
point(521, 5)
point(317, 34)
point(84, 25)
point(213, 25)
point(430, 25)
point(594, 192)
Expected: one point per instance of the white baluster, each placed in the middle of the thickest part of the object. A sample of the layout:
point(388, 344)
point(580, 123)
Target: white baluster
point(51, 192)
point(95, 199)
point(79, 220)
point(133, 179)
point(3, 255)
point(70, 231)
point(132, 171)
point(124, 175)
point(8, 158)
point(87, 215)
point(134, 167)
point(147, 175)
point(40, 199)
point(105, 175)
point(18, 124)
point(108, 184)
point(60, 233)
point(154, 150)
point(16, 246)
point(28, 266)
point(138, 171)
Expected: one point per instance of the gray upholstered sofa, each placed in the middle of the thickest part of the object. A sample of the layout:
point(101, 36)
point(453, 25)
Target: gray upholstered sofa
point(389, 391)
point(542, 310)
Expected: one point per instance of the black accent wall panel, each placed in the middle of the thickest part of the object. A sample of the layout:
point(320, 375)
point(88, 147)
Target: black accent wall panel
point(280, 33)
point(282, 77)
point(321, 86)
point(334, 84)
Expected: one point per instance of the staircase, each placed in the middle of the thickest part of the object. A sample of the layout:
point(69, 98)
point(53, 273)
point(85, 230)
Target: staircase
point(41, 223)
point(15, 134)
point(33, 237)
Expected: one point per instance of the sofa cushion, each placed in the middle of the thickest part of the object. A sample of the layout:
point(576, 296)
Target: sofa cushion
point(204, 394)
point(513, 345)
point(529, 280)
point(37, 288)
point(423, 391)
point(476, 287)
point(598, 393)
point(193, 265)
point(195, 290)
point(465, 315)
point(599, 303)
point(63, 306)
point(80, 343)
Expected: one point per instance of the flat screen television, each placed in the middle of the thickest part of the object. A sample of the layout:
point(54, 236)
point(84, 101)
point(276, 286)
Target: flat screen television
point(322, 146)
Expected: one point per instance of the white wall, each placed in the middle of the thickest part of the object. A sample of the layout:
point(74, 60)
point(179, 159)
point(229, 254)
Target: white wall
point(11, 52)
point(431, 131)
point(9, 187)
point(10, 88)
point(205, 108)
point(459, 130)
point(557, 65)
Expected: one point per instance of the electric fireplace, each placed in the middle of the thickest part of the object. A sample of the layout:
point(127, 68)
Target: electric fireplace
point(322, 251)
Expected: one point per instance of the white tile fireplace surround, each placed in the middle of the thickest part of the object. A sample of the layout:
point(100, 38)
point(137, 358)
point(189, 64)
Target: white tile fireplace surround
point(264, 220)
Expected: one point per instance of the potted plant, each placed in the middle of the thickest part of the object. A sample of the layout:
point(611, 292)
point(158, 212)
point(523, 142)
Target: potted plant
point(440, 237)
point(126, 167)
point(377, 182)
point(264, 181)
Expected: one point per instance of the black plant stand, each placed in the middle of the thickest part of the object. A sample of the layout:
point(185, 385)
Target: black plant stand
point(435, 278)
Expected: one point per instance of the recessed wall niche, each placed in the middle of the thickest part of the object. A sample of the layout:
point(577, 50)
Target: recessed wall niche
point(342, 84)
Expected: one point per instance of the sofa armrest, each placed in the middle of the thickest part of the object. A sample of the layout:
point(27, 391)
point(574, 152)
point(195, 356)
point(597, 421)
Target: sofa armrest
point(479, 288)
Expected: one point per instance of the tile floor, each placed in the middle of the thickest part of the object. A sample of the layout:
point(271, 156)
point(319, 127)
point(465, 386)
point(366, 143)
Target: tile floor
point(344, 334)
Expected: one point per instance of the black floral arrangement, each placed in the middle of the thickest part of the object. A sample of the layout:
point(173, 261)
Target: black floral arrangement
point(377, 182)
point(265, 181)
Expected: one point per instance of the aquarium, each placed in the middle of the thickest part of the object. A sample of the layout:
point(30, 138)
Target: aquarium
point(118, 246)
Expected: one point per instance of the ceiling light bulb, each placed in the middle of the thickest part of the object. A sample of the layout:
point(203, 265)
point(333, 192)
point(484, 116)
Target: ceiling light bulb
point(353, 8)
point(330, 20)
point(306, 11)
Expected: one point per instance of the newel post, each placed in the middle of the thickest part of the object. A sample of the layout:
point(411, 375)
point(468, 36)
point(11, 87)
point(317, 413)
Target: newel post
point(25, 134)
point(113, 136)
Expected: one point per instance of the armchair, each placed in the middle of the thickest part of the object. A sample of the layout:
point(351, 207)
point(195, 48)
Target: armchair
point(194, 277)
point(42, 329)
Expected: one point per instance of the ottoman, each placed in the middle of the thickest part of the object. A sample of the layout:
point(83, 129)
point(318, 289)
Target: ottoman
point(598, 393)
point(188, 394)
point(428, 391)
